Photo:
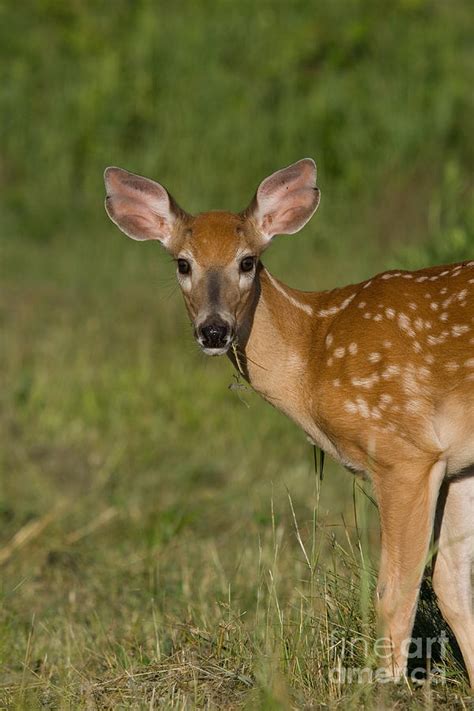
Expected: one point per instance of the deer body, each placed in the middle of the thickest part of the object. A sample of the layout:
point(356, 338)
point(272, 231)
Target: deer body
point(393, 354)
point(379, 374)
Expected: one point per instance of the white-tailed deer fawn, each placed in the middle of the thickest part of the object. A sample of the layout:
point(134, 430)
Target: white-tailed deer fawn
point(379, 374)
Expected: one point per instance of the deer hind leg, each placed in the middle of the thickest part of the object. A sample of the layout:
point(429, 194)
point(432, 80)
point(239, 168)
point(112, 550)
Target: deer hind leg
point(454, 529)
point(407, 498)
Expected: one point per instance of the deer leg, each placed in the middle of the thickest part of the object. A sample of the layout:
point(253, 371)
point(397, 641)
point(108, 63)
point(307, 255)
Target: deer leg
point(454, 528)
point(407, 501)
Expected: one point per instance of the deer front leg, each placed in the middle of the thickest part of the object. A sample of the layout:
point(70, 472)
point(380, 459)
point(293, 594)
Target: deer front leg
point(407, 498)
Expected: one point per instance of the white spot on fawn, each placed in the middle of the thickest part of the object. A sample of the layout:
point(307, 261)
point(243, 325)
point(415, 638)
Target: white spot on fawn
point(363, 407)
point(366, 383)
point(347, 301)
point(390, 372)
point(404, 323)
point(435, 340)
point(459, 329)
point(333, 310)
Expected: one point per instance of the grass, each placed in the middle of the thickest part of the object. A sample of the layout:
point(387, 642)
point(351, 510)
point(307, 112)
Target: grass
point(164, 545)
point(164, 541)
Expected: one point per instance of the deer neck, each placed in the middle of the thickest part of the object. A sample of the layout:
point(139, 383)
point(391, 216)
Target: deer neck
point(276, 339)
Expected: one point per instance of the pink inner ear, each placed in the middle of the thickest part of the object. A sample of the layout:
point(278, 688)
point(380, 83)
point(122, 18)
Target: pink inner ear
point(300, 175)
point(287, 199)
point(136, 219)
point(139, 207)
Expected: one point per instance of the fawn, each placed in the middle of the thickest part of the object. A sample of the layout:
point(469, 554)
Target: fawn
point(379, 374)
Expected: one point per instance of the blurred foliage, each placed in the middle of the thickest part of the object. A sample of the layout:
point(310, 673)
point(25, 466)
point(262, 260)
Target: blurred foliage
point(450, 223)
point(210, 96)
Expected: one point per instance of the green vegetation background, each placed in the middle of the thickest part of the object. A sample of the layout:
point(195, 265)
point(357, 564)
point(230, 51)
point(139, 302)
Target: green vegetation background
point(148, 544)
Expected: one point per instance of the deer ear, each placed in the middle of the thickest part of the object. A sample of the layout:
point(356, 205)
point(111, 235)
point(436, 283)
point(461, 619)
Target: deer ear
point(286, 200)
point(140, 207)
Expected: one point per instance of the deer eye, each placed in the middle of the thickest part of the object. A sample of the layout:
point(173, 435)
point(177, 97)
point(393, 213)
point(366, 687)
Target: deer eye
point(184, 266)
point(247, 264)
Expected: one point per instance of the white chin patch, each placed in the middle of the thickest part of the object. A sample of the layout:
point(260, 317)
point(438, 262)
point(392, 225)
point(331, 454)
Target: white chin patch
point(215, 351)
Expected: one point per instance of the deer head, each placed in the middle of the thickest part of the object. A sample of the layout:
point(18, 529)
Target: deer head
point(217, 253)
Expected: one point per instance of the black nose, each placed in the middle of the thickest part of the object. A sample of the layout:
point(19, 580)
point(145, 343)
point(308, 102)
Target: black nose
point(214, 334)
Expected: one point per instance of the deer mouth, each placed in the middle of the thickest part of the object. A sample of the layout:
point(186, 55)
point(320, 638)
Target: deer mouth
point(215, 351)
